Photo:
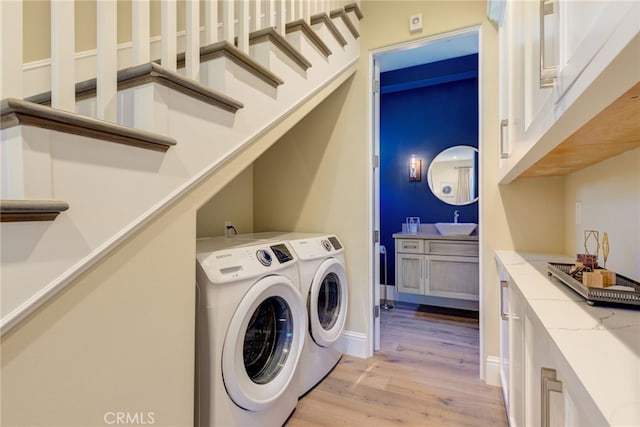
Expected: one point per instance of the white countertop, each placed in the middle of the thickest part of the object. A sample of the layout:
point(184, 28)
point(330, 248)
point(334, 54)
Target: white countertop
point(601, 344)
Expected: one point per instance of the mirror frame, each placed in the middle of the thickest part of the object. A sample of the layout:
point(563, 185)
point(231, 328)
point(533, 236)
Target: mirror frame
point(430, 183)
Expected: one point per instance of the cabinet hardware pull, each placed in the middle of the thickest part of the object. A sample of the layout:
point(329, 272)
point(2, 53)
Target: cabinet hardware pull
point(503, 285)
point(503, 152)
point(548, 383)
point(548, 74)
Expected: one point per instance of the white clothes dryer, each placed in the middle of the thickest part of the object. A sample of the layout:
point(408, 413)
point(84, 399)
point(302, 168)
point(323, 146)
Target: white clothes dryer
point(251, 324)
point(323, 284)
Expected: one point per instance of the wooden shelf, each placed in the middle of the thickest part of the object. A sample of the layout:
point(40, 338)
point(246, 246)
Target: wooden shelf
point(613, 131)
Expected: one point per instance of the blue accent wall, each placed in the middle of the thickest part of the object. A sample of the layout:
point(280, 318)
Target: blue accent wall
point(438, 110)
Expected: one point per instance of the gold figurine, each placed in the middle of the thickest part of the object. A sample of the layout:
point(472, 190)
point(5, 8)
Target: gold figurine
point(605, 248)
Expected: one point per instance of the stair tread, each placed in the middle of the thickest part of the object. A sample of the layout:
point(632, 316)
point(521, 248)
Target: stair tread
point(152, 71)
point(16, 112)
point(228, 50)
point(340, 13)
point(31, 210)
point(274, 37)
point(323, 18)
point(354, 7)
point(301, 25)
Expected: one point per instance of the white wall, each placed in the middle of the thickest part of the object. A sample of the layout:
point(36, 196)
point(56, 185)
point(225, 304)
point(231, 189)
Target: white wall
point(233, 203)
point(610, 195)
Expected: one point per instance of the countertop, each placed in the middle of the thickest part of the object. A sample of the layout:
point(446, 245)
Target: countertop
point(601, 344)
point(429, 232)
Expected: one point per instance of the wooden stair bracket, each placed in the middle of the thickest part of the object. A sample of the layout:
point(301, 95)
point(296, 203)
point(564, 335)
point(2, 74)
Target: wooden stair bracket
point(301, 25)
point(340, 13)
point(323, 18)
point(153, 72)
point(225, 49)
point(15, 112)
point(271, 35)
point(30, 210)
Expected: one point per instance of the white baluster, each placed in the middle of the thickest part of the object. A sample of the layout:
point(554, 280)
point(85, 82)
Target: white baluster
point(210, 21)
point(243, 26)
point(256, 15)
point(63, 75)
point(168, 30)
point(11, 47)
point(228, 21)
point(140, 24)
point(269, 15)
point(107, 60)
point(291, 10)
point(282, 17)
point(192, 42)
point(305, 6)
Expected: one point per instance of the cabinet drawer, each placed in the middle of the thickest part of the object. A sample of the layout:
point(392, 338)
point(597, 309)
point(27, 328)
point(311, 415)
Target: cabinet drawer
point(443, 247)
point(410, 246)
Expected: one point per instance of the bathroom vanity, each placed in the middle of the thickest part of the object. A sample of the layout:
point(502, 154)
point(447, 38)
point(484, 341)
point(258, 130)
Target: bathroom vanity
point(431, 264)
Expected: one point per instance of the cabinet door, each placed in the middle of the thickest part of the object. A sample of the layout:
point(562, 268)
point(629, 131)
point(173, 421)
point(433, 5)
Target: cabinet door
point(503, 290)
point(592, 34)
point(452, 277)
point(516, 359)
point(410, 273)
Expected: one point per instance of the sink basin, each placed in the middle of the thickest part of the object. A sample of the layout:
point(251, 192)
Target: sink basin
point(455, 229)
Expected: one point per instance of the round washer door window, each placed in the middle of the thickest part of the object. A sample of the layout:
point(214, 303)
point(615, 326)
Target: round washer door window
point(263, 343)
point(327, 303)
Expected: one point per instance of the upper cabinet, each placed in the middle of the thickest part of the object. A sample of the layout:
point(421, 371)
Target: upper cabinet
point(566, 67)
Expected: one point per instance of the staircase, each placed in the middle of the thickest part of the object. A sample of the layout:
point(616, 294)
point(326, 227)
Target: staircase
point(104, 150)
point(106, 157)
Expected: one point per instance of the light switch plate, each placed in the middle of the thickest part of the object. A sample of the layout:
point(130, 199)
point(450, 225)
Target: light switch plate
point(415, 23)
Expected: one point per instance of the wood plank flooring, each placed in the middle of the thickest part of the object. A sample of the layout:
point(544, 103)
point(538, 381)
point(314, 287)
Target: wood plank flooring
point(426, 374)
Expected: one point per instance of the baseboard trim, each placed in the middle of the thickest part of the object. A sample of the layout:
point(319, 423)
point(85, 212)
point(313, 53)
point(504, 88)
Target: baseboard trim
point(354, 344)
point(492, 371)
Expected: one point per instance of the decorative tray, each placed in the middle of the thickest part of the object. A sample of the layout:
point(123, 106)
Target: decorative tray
point(625, 291)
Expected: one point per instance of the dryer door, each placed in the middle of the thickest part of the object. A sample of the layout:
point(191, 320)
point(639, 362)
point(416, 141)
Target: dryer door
point(327, 303)
point(263, 343)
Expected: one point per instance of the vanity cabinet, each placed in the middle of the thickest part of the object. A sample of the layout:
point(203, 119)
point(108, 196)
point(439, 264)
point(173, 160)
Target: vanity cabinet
point(436, 267)
point(541, 386)
point(551, 52)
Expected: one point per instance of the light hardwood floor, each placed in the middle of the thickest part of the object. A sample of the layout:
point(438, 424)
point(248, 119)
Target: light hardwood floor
point(426, 374)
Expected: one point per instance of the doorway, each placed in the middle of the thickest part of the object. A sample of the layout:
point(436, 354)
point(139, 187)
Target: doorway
point(414, 57)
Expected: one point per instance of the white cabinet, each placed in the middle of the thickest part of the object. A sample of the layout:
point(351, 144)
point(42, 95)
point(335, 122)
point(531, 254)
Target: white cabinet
point(551, 52)
point(542, 388)
point(439, 268)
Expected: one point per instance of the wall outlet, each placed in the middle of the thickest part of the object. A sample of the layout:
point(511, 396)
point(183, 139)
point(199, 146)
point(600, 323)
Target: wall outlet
point(415, 23)
point(228, 229)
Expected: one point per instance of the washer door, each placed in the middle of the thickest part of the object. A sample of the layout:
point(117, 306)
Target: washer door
point(263, 343)
point(327, 303)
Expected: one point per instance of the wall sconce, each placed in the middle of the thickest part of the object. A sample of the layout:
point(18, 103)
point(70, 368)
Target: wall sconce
point(415, 169)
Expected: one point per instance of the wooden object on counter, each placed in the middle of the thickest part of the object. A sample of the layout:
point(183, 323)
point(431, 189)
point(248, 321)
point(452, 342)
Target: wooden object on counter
point(592, 279)
point(608, 277)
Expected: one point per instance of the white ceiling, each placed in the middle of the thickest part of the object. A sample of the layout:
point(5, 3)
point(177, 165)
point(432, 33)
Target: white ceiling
point(427, 51)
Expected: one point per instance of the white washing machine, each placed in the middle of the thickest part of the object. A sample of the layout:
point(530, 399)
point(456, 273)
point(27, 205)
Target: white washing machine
point(251, 323)
point(323, 284)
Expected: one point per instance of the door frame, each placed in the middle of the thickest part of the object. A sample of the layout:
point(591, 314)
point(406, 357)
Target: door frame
point(374, 148)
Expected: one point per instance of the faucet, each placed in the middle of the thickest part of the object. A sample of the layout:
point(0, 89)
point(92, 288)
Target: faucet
point(456, 214)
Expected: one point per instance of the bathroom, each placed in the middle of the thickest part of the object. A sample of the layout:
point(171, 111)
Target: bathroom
point(426, 110)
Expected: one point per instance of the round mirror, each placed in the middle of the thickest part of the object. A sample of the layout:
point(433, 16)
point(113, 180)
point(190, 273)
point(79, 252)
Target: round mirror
point(452, 175)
